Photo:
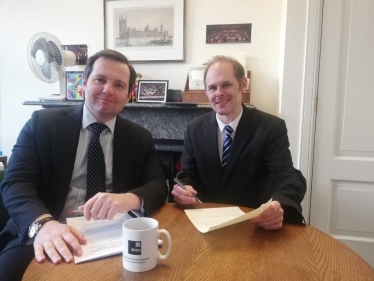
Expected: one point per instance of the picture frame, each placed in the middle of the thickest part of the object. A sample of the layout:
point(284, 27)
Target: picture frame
point(74, 85)
point(80, 52)
point(152, 91)
point(228, 33)
point(146, 30)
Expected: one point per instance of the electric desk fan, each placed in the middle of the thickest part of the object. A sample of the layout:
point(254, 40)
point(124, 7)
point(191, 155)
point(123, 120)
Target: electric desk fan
point(48, 60)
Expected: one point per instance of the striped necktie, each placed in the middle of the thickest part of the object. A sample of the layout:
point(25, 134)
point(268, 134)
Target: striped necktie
point(95, 163)
point(226, 145)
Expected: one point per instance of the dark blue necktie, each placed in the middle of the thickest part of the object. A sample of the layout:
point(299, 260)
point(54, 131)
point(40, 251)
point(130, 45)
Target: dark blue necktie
point(95, 163)
point(226, 145)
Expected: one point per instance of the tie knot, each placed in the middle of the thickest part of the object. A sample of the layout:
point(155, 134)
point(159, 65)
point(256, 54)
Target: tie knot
point(98, 127)
point(228, 130)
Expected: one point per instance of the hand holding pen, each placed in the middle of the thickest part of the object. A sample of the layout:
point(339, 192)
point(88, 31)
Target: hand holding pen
point(178, 182)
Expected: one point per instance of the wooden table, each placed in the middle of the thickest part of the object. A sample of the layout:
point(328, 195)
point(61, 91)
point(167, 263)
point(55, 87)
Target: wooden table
point(238, 252)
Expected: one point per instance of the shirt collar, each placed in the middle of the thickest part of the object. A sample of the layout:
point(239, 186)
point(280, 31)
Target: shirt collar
point(88, 119)
point(233, 124)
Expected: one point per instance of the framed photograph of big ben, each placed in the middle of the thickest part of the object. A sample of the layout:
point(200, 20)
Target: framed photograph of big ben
point(146, 30)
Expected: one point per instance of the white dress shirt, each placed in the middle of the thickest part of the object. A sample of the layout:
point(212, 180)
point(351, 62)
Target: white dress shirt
point(221, 133)
point(77, 190)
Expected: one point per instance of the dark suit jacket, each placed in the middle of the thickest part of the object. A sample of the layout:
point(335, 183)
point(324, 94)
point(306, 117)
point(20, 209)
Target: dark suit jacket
point(41, 166)
point(259, 165)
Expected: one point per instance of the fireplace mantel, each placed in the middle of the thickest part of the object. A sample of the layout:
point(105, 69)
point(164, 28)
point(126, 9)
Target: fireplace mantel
point(166, 121)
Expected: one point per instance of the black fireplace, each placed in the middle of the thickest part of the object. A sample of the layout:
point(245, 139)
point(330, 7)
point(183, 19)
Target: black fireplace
point(167, 124)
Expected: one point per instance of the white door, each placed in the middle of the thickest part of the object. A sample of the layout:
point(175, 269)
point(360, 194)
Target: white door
point(342, 200)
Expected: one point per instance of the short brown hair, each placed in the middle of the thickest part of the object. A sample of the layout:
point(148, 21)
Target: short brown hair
point(238, 68)
point(112, 55)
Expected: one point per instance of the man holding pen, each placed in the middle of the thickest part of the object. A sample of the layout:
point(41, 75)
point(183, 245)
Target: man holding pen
point(239, 155)
point(82, 156)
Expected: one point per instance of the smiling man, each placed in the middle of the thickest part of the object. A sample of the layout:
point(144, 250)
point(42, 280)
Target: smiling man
point(84, 157)
point(239, 155)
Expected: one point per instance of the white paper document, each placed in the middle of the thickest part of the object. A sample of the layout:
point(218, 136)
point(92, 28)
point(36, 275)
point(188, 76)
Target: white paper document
point(210, 219)
point(104, 237)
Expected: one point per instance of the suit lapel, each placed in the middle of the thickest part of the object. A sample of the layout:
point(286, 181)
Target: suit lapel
point(68, 129)
point(123, 140)
point(242, 136)
point(211, 144)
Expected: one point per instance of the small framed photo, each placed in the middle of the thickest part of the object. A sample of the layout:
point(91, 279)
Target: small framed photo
point(228, 33)
point(152, 90)
point(80, 52)
point(74, 86)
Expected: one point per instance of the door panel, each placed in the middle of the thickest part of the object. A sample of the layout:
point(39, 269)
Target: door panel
point(358, 116)
point(342, 200)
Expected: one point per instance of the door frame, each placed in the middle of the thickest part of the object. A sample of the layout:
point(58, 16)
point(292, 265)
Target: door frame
point(310, 98)
point(301, 62)
point(311, 41)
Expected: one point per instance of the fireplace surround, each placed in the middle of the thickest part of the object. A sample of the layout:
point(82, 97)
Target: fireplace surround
point(166, 121)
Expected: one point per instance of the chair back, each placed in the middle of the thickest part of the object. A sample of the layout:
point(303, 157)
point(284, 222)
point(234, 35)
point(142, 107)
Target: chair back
point(4, 216)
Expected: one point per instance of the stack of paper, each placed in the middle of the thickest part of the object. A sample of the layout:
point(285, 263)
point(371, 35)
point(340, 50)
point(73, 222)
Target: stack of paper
point(104, 237)
point(206, 220)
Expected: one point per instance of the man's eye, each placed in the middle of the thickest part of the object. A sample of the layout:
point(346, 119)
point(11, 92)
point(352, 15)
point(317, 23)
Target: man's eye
point(212, 88)
point(99, 80)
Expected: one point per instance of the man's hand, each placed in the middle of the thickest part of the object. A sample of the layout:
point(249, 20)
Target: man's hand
point(56, 240)
point(184, 197)
point(271, 218)
point(104, 206)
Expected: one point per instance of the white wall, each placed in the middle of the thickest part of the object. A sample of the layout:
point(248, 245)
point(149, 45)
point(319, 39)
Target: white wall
point(81, 22)
point(73, 22)
point(262, 52)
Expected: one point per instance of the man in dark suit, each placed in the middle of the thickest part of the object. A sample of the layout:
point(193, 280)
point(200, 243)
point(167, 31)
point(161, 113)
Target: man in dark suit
point(48, 171)
point(245, 164)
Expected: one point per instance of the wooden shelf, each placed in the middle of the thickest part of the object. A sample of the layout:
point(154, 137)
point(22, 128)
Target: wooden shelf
point(199, 96)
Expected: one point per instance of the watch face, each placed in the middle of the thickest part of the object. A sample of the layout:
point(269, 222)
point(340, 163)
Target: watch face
point(33, 230)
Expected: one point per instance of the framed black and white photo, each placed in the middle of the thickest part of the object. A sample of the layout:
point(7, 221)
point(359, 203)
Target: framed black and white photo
point(152, 91)
point(146, 30)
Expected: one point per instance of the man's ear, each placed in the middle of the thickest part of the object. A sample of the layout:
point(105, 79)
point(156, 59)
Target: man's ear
point(244, 84)
point(132, 89)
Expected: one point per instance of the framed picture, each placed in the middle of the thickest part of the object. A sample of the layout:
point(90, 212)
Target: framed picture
point(228, 33)
point(152, 91)
point(80, 52)
point(146, 30)
point(74, 85)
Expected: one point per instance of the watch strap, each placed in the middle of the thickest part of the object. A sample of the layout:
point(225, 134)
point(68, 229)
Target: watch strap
point(44, 220)
point(38, 224)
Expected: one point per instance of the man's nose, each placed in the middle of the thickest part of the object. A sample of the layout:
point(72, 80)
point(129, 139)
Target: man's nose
point(219, 91)
point(108, 88)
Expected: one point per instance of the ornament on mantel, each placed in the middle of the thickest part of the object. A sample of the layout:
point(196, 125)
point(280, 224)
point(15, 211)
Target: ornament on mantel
point(135, 89)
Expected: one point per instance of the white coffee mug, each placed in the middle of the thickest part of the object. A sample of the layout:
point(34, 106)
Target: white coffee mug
point(140, 244)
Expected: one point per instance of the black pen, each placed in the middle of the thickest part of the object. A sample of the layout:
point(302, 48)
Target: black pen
point(178, 182)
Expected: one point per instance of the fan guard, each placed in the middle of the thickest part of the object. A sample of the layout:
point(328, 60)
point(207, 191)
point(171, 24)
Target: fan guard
point(46, 57)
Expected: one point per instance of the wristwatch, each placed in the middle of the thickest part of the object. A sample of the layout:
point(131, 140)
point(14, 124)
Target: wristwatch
point(35, 226)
